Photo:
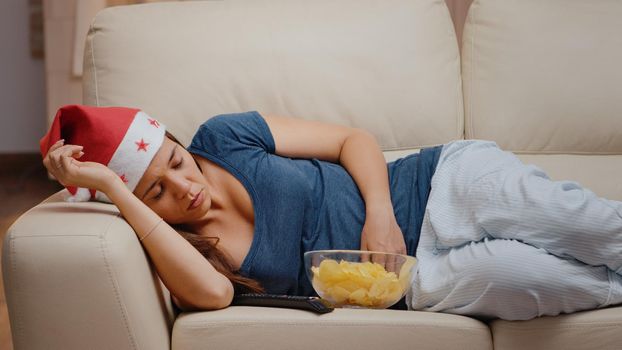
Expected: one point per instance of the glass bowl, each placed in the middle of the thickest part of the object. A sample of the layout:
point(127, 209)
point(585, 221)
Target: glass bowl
point(358, 278)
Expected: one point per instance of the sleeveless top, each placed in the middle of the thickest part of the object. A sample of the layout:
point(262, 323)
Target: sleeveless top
point(304, 204)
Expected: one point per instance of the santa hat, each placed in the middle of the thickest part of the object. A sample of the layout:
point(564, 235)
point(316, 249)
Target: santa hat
point(124, 139)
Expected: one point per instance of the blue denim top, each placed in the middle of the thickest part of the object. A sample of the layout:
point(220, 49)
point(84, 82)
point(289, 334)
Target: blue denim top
point(304, 204)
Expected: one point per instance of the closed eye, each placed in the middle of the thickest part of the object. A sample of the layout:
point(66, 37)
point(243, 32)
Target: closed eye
point(178, 164)
point(159, 195)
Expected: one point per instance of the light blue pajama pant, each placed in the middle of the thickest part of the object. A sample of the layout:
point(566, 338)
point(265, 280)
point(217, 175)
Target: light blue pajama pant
point(500, 239)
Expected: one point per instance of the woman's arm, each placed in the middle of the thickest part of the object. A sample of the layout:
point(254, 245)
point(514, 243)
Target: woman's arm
point(185, 272)
point(356, 149)
point(359, 153)
point(194, 282)
point(363, 159)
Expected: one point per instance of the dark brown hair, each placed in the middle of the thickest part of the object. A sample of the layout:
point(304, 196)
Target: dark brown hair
point(218, 258)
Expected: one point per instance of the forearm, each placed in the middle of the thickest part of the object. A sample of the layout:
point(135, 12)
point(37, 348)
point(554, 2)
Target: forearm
point(185, 272)
point(362, 158)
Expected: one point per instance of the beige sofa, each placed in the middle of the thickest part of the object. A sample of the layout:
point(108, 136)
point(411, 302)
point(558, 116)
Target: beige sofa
point(539, 77)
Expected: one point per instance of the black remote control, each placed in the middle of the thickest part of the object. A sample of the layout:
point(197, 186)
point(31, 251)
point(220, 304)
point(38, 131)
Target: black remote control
point(314, 304)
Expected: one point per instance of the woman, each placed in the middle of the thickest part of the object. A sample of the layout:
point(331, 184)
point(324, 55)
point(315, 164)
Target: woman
point(495, 238)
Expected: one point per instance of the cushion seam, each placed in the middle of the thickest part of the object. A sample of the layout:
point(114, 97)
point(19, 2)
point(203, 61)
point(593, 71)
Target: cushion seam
point(578, 325)
point(114, 285)
point(262, 323)
point(472, 38)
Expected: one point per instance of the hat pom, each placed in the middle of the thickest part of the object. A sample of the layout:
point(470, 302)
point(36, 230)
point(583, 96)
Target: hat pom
point(82, 195)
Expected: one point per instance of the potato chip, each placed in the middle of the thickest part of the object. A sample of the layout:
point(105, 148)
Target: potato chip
point(361, 283)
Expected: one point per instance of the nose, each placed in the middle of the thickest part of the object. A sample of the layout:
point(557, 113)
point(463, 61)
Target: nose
point(179, 185)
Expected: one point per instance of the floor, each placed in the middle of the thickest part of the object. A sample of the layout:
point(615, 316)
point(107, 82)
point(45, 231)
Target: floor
point(23, 184)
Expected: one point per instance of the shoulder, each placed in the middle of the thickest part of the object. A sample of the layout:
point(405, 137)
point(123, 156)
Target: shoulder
point(248, 128)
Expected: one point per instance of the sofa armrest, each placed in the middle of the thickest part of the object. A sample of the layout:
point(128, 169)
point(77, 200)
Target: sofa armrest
point(76, 277)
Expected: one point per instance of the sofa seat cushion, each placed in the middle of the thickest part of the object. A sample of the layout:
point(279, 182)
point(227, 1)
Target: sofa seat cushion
point(596, 329)
point(280, 328)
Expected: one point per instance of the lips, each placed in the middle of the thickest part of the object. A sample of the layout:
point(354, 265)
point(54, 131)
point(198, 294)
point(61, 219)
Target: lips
point(196, 201)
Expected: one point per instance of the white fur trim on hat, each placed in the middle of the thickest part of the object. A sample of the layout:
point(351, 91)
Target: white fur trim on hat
point(138, 147)
point(132, 156)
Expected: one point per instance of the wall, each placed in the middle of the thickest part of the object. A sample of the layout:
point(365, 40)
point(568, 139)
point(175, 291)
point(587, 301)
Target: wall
point(63, 86)
point(22, 83)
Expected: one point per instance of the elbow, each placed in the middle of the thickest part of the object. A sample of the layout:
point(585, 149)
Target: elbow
point(354, 133)
point(216, 301)
point(208, 301)
point(225, 298)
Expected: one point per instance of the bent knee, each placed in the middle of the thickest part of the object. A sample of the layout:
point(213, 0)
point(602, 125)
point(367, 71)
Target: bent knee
point(516, 270)
point(547, 284)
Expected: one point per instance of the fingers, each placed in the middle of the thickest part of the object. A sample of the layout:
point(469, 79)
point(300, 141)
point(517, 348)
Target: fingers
point(46, 159)
point(56, 145)
point(373, 256)
point(63, 152)
point(378, 258)
point(385, 259)
point(364, 257)
point(65, 162)
point(59, 159)
point(390, 264)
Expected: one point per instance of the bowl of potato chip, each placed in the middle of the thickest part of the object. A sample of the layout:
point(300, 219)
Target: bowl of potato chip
point(358, 278)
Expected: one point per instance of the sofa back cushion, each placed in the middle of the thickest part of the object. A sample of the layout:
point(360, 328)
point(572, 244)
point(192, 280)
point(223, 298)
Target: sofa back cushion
point(542, 79)
point(390, 67)
point(544, 76)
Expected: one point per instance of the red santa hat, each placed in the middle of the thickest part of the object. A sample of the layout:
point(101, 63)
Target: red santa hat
point(124, 139)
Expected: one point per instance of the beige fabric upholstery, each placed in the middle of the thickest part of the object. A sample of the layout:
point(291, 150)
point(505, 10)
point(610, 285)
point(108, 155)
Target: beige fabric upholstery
point(76, 277)
point(581, 331)
point(275, 328)
point(544, 76)
point(391, 68)
point(601, 174)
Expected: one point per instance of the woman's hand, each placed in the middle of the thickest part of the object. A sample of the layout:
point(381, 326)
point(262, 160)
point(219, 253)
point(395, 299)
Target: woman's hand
point(382, 233)
point(61, 162)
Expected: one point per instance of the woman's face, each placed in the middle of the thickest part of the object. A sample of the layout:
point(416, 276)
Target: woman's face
point(170, 184)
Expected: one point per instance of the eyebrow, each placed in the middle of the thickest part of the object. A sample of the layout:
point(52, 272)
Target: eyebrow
point(156, 181)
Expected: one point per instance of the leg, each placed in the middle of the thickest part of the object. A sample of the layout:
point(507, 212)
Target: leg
point(493, 194)
point(559, 216)
point(511, 280)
